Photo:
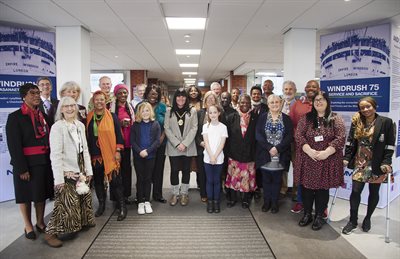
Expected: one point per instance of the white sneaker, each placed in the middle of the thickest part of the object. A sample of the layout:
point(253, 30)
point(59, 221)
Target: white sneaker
point(140, 209)
point(147, 207)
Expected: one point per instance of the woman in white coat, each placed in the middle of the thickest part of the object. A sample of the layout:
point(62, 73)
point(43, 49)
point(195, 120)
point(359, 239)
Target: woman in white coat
point(70, 161)
point(180, 128)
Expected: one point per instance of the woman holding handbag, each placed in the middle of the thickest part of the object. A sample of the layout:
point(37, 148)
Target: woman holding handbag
point(70, 161)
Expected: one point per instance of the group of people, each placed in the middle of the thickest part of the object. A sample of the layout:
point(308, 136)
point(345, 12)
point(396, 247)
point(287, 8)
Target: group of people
point(242, 143)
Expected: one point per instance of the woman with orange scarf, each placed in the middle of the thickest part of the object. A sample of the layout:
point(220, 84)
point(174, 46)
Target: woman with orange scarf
point(105, 144)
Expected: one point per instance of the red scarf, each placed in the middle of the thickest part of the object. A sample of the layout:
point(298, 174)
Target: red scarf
point(244, 121)
point(38, 122)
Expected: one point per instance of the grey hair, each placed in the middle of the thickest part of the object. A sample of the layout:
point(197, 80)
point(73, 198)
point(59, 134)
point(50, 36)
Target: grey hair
point(66, 100)
point(272, 97)
point(213, 84)
point(291, 83)
point(70, 85)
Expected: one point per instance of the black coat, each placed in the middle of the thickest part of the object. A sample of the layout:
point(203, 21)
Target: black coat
point(52, 112)
point(263, 146)
point(20, 134)
point(241, 148)
point(383, 142)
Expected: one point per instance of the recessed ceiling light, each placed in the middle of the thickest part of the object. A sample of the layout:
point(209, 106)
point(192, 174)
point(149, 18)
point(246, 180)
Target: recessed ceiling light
point(115, 56)
point(189, 73)
point(187, 36)
point(187, 41)
point(347, 0)
point(188, 56)
point(180, 23)
point(187, 51)
point(188, 65)
point(266, 74)
point(189, 79)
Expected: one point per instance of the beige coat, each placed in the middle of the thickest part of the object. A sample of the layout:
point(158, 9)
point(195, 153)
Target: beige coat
point(175, 137)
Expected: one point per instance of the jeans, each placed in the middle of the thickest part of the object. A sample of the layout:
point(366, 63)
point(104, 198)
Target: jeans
point(213, 181)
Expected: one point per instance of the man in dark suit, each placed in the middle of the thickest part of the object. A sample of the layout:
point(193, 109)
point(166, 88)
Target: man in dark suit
point(47, 104)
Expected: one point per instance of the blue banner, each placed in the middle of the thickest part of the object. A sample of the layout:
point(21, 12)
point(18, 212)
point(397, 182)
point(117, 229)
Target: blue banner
point(345, 94)
point(9, 89)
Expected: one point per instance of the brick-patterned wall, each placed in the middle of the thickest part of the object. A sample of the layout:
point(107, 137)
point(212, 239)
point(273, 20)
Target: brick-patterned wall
point(239, 82)
point(137, 77)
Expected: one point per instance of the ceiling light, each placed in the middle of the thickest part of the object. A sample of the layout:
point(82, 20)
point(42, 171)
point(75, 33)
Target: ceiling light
point(188, 56)
point(266, 74)
point(179, 23)
point(189, 79)
point(115, 56)
point(187, 51)
point(347, 0)
point(186, 36)
point(189, 73)
point(201, 84)
point(187, 41)
point(188, 65)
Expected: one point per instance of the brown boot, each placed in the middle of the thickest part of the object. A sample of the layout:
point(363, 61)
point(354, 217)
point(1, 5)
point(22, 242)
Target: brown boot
point(52, 240)
point(184, 199)
point(174, 200)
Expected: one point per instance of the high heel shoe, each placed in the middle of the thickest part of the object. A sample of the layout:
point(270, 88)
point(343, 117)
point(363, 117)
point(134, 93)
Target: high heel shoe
point(39, 229)
point(31, 235)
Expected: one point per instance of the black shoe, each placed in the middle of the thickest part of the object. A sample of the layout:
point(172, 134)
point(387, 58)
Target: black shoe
point(366, 225)
point(318, 223)
point(230, 204)
point(245, 205)
point(217, 208)
point(349, 228)
point(130, 201)
point(161, 200)
point(305, 220)
point(274, 208)
point(100, 209)
point(31, 235)
point(257, 194)
point(123, 212)
point(266, 207)
point(210, 208)
point(39, 229)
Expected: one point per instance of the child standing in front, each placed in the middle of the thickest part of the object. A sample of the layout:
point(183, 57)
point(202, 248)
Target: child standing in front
point(145, 139)
point(214, 135)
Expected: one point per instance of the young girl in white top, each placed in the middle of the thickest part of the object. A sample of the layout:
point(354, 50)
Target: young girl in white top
point(214, 135)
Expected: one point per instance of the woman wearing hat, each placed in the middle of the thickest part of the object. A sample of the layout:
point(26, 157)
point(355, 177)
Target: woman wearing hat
point(126, 116)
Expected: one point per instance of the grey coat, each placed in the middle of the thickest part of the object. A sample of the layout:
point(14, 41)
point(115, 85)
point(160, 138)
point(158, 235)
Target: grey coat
point(175, 137)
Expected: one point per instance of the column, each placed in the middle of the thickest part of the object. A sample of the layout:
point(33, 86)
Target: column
point(73, 59)
point(299, 56)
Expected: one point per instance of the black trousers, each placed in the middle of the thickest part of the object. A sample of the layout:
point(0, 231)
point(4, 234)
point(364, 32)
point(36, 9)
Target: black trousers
point(201, 175)
point(320, 197)
point(271, 185)
point(355, 198)
point(180, 163)
point(144, 168)
point(115, 184)
point(158, 172)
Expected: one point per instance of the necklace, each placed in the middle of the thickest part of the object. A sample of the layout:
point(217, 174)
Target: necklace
point(180, 121)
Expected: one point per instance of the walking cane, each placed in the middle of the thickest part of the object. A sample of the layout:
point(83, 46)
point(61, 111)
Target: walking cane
point(387, 240)
point(332, 204)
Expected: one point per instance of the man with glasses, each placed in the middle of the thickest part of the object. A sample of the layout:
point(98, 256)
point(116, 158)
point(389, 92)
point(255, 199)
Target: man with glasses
point(47, 104)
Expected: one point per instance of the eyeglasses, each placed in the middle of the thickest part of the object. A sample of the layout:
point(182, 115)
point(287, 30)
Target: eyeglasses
point(319, 100)
point(33, 92)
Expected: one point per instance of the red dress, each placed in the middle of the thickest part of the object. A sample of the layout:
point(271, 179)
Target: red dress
point(326, 173)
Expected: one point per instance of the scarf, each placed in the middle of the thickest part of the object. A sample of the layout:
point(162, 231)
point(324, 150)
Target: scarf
point(107, 142)
point(114, 108)
point(38, 122)
point(244, 121)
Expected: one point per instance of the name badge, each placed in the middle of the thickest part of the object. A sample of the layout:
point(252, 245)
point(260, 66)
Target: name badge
point(319, 138)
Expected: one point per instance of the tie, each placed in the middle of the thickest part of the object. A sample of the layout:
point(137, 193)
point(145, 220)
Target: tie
point(47, 106)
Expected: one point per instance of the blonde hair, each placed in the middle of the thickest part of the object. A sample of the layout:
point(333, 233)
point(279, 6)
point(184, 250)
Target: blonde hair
point(138, 116)
point(207, 95)
point(70, 85)
point(66, 100)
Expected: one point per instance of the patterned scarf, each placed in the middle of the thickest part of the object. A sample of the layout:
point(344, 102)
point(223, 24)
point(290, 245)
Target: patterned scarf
point(244, 121)
point(38, 122)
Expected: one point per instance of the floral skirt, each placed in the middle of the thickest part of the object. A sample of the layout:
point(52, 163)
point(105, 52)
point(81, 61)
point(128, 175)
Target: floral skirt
point(241, 176)
point(71, 211)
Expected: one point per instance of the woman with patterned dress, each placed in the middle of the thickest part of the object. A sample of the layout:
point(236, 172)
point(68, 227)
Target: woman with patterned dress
point(320, 138)
point(241, 176)
point(369, 151)
point(69, 157)
point(28, 143)
point(274, 135)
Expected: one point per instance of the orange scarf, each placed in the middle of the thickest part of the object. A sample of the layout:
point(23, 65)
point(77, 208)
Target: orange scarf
point(107, 142)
